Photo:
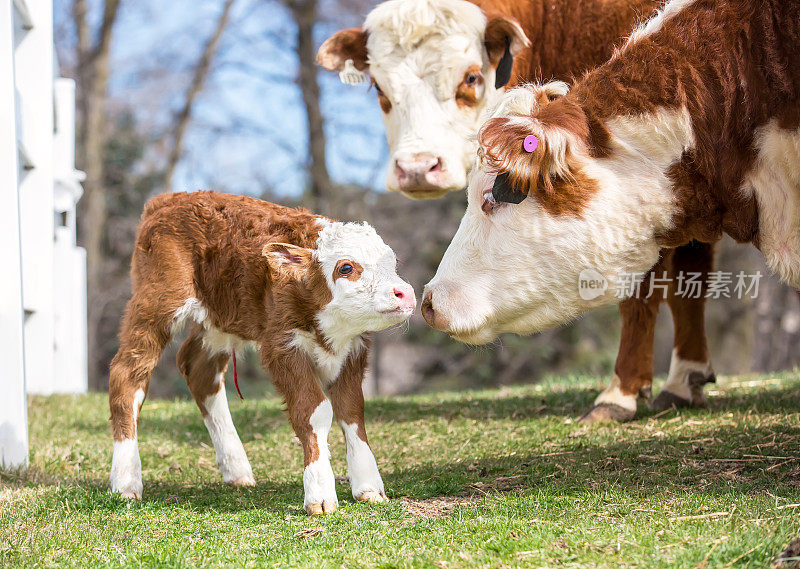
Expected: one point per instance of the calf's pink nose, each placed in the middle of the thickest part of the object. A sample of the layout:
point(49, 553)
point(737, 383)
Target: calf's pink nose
point(405, 295)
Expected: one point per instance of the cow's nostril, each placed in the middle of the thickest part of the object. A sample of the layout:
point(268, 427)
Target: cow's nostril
point(427, 310)
point(437, 167)
point(399, 293)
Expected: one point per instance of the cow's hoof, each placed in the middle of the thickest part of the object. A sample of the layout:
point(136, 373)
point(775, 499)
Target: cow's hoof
point(607, 412)
point(243, 482)
point(667, 399)
point(372, 497)
point(323, 508)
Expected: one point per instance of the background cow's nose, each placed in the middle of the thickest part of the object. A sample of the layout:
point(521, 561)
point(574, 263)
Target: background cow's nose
point(405, 296)
point(418, 169)
point(432, 317)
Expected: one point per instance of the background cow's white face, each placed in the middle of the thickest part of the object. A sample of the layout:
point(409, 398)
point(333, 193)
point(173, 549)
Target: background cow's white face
point(516, 267)
point(433, 64)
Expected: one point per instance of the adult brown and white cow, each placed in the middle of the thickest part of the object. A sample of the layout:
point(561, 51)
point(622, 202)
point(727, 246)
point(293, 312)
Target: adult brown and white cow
point(304, 290)
point(690, 131)
point(435, 67)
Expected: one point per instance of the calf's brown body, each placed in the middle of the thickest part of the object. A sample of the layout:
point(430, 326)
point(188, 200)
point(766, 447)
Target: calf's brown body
point(201, 257)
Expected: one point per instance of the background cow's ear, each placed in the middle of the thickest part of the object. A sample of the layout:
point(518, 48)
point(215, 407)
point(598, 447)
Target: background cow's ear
point(341, 46)
point(504, 38)
point(287, 259)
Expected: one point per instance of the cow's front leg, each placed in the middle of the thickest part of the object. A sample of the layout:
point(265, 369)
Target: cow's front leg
point(311, 416)
point(633, 372)
point(348, 406)
point(690, 368)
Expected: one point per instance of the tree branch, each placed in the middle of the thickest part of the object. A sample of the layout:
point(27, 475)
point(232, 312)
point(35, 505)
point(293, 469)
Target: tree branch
point(196, 86)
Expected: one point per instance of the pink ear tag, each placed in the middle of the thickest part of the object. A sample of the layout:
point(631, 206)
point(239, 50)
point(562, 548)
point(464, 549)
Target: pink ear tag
point(530, 143)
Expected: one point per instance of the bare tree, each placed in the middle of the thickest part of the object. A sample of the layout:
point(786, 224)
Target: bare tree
point(321, 187)
point(199, 76)
point(92, 78)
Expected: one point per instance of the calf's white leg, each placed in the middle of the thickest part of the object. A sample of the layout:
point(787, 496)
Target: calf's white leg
point(365, 480)
point(204, 372)
point(126, 466)
point(231, 457)
point(319, 484)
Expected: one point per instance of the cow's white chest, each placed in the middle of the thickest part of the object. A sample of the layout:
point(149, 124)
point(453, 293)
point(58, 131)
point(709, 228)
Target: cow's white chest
point(328, 361)
point(775, 182)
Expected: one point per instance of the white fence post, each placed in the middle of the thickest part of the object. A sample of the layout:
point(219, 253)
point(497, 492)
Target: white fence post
point(13, 407)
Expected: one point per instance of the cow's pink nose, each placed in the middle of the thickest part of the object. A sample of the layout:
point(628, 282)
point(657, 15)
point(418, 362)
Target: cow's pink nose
point(419, 169)
point(405, 296)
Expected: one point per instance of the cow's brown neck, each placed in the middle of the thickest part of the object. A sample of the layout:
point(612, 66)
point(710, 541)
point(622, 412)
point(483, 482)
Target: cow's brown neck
point(568, 37)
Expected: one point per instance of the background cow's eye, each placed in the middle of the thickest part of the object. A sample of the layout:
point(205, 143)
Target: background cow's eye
point(346, 269)
point(470, 79)
point(386, 105)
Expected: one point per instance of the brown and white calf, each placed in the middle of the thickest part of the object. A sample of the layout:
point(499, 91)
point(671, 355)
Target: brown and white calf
point(690, 131)
point(435, 67)
point(303, 289)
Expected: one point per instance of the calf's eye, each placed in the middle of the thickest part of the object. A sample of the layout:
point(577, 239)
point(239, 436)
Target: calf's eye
point(346, 269)
point(470, 79)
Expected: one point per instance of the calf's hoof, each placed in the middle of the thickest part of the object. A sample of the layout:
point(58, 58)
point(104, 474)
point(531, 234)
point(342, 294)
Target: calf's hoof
point(323, 508)
point(607, 412)
point(372, 496)
point(129, 495)
point(243, 482)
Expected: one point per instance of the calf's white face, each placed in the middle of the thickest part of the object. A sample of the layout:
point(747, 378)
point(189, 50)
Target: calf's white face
point(433, 64)
point(361, 272)
point(366, 294)
point(516, 267)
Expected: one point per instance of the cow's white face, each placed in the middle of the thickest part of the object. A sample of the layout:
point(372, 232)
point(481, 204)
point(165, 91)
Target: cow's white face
point(588, 220)
point(433, 64)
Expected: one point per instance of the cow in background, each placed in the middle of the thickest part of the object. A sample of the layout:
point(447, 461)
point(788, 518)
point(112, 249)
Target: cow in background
point(438, 65)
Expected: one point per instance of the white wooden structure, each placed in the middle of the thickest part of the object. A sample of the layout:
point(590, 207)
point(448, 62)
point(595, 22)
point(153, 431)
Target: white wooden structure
point(43, 288)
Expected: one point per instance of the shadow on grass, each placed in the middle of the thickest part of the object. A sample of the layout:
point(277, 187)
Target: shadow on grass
point(571, 402)
point(721, 462)
point(722, 459)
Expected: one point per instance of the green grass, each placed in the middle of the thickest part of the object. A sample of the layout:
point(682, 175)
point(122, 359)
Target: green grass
point(482, 479)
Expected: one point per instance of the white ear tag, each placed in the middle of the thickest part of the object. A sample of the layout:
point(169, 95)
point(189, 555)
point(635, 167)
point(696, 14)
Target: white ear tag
point(350, 75)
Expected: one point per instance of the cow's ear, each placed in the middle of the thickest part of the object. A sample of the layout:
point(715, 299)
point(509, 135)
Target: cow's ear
point(342, 46)
point(287, 259)
point(521, 171)
point(504, 38)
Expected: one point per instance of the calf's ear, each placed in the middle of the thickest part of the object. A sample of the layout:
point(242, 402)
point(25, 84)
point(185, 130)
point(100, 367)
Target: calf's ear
point(287, 259)
point(342, 46)
point(504, 38)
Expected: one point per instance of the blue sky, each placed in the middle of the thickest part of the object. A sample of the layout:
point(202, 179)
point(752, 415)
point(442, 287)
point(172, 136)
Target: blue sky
point(248, 130)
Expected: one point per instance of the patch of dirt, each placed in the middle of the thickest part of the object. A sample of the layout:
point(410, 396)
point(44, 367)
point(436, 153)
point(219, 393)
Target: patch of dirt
point(789, 557)
point(438, 507)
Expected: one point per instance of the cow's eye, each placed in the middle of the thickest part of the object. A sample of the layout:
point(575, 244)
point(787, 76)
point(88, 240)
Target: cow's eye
point(383, 100)
point(345, 269)
point(471, 79)
point(490, 205)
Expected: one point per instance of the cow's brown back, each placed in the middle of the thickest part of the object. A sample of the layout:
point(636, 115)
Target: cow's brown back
point(568, 37)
